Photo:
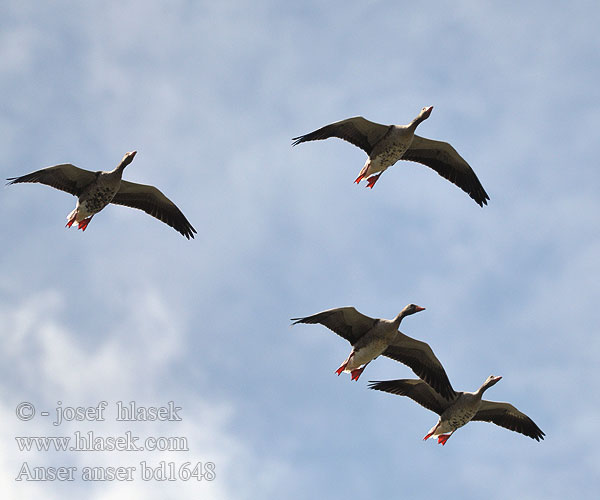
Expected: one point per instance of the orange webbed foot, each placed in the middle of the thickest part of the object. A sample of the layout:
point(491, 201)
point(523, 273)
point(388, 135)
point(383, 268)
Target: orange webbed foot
point(372, 180)
point(84, 223)
point(357, 373)
point(443, 438)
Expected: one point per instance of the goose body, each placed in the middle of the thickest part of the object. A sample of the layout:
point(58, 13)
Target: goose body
point(386, 144)
point(371, 338)
point(95, 190)
point(96, 195)
point(460, 409)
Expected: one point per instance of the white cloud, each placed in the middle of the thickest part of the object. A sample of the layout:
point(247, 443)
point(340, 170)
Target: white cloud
point(46, 362)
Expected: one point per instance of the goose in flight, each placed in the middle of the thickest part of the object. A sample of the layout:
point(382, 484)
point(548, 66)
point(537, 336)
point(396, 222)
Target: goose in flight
point(371, 337)
point(95, 190)
point(458, 410)
point(386, 144)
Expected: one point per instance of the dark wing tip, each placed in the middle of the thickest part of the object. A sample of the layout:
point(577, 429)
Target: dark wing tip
point(298, 140)
point(317, 135)
point(472, 187)
point(390, 386)
point(439, 383)
point(400, 387)
point(475, 189)
point(15, 180)
point(188, 231)
point(430, 372)
point(525, 426)
point(507, 416)
point(481, 198)
point(174, 218)
point(444, 159)
point(177, 221)
point(532, 430)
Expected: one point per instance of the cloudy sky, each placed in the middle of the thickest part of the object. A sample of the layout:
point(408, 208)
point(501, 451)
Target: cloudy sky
point(210, 94)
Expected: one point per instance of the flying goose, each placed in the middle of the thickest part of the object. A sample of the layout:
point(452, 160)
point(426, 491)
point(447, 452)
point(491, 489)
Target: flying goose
point(386, 144)
point(461, 408)
point(95, 190)
point(371, 337)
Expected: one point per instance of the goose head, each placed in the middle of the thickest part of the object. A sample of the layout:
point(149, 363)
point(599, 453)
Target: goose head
point(423, 115)
point(408, 310)
point(425, 112)
point(412, 309)
point(127, 159)
point(490, 381)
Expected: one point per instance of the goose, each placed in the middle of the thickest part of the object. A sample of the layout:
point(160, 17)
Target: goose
point(371, 337)
point(461, 408)
point(95, 190)
point(386, 144)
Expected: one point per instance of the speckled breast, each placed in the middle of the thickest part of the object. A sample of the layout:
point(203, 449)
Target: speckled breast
point(390, 149)
point(459, 418)
point(96, 199)
point(389, 156)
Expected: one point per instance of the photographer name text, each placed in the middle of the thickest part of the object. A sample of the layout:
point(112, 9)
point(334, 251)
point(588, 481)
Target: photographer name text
point(124, 412)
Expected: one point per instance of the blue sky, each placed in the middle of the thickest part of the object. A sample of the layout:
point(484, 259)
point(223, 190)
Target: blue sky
point(210, 95)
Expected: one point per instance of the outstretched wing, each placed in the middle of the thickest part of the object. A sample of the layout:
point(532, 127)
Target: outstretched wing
point(417, 390)
point(347, 322)
point(154, 203)
point(507, 416)
point(358, 131)
point(65, 177)
point(420, 358)
point(444, 159)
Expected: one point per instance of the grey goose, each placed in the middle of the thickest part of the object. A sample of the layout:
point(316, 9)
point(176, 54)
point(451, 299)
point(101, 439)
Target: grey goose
point(386, 144)
point(372, 337)
point(95, 190)
point(461, 408)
